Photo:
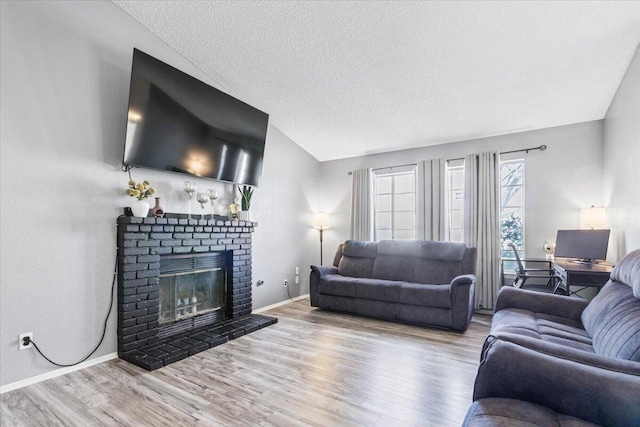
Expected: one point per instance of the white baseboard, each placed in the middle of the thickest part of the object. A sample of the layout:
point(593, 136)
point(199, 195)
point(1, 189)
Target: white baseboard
point(279, 304)
point(56, 373)
point(62, 371)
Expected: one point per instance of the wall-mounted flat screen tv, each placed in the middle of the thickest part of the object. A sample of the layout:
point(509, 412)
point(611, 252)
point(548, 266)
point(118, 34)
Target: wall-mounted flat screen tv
point(180, 124)
point(584, 245)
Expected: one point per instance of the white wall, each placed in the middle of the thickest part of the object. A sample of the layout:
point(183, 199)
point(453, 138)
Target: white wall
point(284, 210)
point(622, 160)
point(64, 83)
point(559, 181)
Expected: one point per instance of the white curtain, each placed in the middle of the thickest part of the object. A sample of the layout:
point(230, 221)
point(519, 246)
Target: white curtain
point(361, 224)
point(431, 199)
point(482, 222)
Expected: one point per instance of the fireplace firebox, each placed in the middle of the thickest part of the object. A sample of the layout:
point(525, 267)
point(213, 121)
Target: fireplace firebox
point(184, 286)
point(192, 285)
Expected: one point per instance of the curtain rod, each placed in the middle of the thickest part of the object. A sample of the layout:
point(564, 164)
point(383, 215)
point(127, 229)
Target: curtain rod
point(526, 150)
point(387, 167)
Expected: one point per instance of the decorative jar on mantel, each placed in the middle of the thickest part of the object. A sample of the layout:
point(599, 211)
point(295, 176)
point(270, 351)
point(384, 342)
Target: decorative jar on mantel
point(140, 208)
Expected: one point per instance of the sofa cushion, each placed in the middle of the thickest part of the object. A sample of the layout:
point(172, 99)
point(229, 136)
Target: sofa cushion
point(426, 295)
point(613, 316)
point(435, 272)
point(335, 284)
point(441, 251)
point(438, 262)
point(611, 294)
point(618, 333)
point(499, 412)
point(395, 260)
point(627, 271)
point(357, 258)
point(379, 290)
point(544, 327)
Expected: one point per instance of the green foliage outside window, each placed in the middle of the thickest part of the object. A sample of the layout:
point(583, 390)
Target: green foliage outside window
point(512, 230)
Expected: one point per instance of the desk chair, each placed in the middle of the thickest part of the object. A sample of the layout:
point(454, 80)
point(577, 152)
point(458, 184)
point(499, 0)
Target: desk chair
point(523, 274)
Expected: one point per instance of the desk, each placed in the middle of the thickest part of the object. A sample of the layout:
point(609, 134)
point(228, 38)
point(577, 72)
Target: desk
point(581, 275)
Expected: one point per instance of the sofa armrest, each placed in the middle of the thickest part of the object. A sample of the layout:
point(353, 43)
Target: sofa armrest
point(317, 271)
point(537, 302)
point(601, 396)
point(321, 270)
point(462, 294)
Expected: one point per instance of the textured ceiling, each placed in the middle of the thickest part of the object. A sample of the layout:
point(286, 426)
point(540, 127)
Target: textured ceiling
point(347, 78)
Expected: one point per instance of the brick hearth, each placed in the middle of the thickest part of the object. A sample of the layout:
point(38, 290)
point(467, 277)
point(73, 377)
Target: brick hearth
point(141, 243)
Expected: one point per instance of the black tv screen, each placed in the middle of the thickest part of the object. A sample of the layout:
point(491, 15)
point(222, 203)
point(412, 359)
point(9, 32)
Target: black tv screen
point(582, 244)
point(180, 124)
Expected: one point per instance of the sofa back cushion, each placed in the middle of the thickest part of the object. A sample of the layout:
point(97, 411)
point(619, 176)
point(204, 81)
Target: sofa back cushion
point(357, 258)
point(338, 255)
point(440, 262)
point(395, 260)
point(612, 318)
point(607, 299)
point(628, 271)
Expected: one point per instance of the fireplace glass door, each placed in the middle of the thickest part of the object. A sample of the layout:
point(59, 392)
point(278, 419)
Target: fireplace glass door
point(191, 286)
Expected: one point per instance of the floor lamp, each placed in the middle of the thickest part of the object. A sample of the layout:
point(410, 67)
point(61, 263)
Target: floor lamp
point(321, 222)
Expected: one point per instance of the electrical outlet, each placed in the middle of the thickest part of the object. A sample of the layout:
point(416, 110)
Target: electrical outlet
point(21, 338)
point(285, 283)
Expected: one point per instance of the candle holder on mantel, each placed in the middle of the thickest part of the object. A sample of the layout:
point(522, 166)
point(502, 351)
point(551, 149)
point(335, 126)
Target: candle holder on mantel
point(203, 198)
point(189, 187)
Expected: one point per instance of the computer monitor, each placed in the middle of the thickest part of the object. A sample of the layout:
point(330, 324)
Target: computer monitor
point(587, 246)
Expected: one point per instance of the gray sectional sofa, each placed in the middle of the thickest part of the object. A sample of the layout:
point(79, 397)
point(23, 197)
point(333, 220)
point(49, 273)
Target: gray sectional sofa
point(550, 357)
point(420, 282)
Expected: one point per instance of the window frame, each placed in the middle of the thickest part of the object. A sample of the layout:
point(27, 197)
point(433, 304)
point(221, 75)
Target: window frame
point(505, 251)
point(453, 165)
point(394, 172)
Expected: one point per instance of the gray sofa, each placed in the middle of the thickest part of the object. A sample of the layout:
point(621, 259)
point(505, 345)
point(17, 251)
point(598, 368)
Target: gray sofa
point(568, 359)
point(420, 282)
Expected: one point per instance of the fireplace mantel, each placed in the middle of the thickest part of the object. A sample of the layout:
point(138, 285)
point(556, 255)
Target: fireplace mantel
point(141, 243)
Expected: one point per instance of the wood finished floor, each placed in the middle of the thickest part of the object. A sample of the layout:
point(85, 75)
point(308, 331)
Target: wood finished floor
point(313, 368)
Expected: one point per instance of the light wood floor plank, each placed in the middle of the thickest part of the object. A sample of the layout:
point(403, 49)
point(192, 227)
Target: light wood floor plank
point(313, 368)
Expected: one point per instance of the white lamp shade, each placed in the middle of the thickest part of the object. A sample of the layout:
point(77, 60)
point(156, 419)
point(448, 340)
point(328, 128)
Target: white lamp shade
point(593, 217)
point(321, 220)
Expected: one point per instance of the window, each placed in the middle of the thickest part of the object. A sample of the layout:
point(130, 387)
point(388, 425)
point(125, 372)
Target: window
point(511, 204)
point(455, 201)
point(512, 208)
point(395, 203)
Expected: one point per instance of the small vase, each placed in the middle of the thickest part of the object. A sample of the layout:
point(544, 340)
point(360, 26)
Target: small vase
point(244, 215)
point(140, 208)
point(157, 211)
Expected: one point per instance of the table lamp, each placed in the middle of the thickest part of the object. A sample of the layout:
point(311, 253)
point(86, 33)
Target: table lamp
point(593, 218)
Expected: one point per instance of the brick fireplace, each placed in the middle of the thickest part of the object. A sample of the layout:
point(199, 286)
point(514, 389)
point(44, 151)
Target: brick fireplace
point(148, 248)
